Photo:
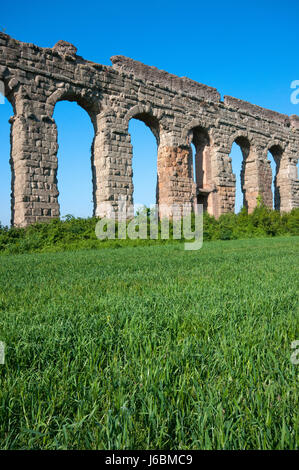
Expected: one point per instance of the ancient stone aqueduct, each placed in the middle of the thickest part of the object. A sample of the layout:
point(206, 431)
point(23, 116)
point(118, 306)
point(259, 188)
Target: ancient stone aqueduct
point(178, 111)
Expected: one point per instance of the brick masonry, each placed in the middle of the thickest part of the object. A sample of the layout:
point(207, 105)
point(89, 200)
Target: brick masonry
point(179, 111)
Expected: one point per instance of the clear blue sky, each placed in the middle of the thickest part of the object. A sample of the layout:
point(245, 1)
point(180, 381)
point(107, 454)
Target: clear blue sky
point(245, 49)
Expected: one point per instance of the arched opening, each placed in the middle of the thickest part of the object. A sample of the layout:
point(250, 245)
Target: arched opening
point(6, 111)
point(144, 132)
point(240, 169)
point(200, 144)
point(74, 174)
point(236, 160)
point(193, 150)
point(274, 156)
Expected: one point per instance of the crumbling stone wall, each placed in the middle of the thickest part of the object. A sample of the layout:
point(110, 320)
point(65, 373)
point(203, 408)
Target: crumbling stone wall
point(178, 111)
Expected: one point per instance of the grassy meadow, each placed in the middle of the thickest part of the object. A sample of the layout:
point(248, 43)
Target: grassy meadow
point(151, 347)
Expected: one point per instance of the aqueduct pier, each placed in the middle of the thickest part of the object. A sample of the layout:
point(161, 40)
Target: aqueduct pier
point(179, 111)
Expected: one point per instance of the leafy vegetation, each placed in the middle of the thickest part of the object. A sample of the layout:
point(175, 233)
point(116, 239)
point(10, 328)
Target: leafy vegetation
point(76, 234)
point(151, 347)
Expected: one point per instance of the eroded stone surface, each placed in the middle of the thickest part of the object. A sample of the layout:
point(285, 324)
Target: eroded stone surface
point(178, 110)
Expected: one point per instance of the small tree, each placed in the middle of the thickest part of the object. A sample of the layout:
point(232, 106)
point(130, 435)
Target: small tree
point(259, 201)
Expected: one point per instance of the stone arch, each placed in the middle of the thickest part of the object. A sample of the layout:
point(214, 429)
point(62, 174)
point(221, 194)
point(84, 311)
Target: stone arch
point(200, 133)
point(88, 103)
point(248, 174)
point(56, 96)
point(84, 97)
point(277, 149)
point(74, 176)
point(8, 168)
point(14, 92)
point(188, 129)
point(241, 136)
point(152, 119)
point(199, 136)
point(10, 87)
point(275, 143)
point(149, 116)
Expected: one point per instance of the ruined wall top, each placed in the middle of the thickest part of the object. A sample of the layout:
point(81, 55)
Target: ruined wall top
point(62, 62)
point(65, 48)
point(185, 85)
point(165, 79)
point(257, 111)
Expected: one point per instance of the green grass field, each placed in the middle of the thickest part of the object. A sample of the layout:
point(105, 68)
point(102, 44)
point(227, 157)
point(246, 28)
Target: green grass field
point(151, 347)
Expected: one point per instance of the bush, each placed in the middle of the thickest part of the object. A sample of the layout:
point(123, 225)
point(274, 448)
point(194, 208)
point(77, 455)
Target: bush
point(77, 233)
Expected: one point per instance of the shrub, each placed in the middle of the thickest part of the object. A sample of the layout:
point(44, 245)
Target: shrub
point(77, 233)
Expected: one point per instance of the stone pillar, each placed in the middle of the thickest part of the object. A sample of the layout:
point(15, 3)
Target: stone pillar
point(287, 183)
point(34, 165)
point(112, 165)
point(203, 169)
point(250, 178)
point(222, 198)
point(265, 182)
point(295, 194)
point(175, 184)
